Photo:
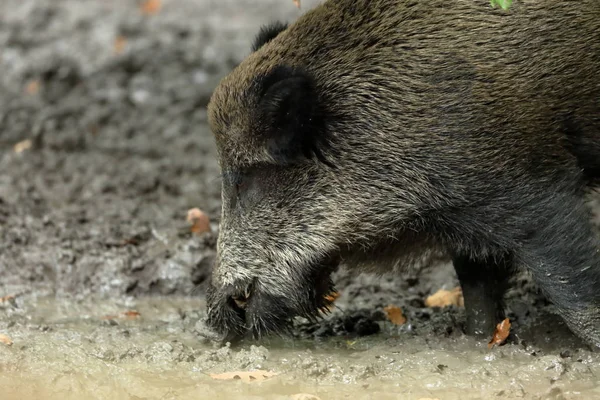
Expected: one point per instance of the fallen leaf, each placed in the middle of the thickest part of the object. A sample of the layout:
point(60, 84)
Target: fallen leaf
point(120, 43)
point(199, 220)
point(5, 340)
point(244, 376)
point(5, 299)
point(395, 315)
point(444, 298)
point(304, 396)
point(132, 314)
point(297, 3)
point(23, 145)
point(32, 87)
point(150, 7)
point(500, 334)
point(332, 297)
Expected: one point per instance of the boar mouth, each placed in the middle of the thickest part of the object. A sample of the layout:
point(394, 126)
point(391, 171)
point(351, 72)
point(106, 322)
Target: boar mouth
point(256, 310)
point(325, 292)
point(241, 298)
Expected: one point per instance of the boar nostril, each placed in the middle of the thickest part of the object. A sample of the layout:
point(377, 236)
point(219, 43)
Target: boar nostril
point(240, 296)
point(240, 301)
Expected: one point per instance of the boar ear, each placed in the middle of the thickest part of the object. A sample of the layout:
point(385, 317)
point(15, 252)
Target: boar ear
point(291, 118)
point(268, 33)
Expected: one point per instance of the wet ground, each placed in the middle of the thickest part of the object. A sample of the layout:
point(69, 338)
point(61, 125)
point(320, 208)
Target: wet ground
point(107, 106)
point(102, 349)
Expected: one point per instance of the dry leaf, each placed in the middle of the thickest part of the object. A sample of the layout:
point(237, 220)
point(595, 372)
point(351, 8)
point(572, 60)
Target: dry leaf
point(150, 7)
point(304, 396)
point(330, 298)
point(5, 299)
point(23, 145)
point(199, 220)
point(444, 298)
point(500, 334)
point(120, 43)
point(131, 314)
point(297, 3)
point(244, 376)
point(32, 87)
point(395, 315)
point(5, 340)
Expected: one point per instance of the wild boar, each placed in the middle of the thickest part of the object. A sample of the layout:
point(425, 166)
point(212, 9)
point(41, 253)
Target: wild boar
point(369, 131)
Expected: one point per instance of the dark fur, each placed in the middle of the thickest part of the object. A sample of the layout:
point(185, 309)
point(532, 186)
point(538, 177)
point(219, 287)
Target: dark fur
point(290, 114)
point(451, 127)
point(268, 33)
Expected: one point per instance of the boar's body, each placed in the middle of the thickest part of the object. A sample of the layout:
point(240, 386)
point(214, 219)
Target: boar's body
point(371, 130)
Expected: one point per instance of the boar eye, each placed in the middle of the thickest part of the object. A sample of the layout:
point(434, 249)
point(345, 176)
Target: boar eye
point(243, 181)
point(248, 187)
point(241, 185)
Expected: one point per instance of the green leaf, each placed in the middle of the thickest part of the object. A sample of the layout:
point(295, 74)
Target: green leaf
point(504, 4)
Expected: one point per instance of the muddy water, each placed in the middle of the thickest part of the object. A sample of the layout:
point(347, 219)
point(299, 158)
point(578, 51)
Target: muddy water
point(95, 211)
point(74, 349)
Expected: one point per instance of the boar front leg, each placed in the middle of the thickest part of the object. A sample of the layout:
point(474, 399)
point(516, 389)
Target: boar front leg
point(483, 284)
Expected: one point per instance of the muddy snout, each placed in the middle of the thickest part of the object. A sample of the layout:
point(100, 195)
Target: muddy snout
point(251, 311)
point(226, 308)
point(241, 304)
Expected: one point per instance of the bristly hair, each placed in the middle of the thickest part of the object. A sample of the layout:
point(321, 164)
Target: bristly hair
point(268, 33)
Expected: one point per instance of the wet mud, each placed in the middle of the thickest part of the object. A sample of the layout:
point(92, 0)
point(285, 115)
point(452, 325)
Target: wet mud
point(104, 146)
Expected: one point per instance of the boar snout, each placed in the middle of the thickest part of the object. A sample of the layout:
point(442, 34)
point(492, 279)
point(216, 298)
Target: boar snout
point(226, 312)
point(267, 304)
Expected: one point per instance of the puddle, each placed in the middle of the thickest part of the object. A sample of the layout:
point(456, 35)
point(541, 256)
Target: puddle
point(121, 150)
point(68, 349)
